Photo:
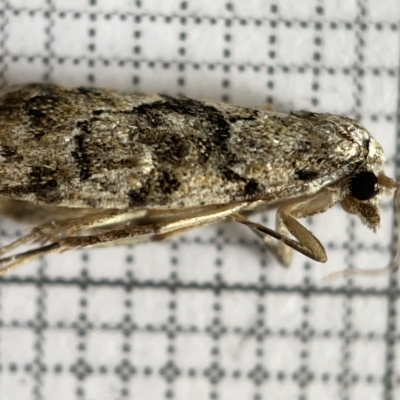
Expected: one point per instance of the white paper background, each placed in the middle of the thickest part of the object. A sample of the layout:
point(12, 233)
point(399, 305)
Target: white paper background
point(210, 315)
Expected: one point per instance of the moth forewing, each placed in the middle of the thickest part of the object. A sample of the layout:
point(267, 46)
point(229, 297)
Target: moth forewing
point(92, 167)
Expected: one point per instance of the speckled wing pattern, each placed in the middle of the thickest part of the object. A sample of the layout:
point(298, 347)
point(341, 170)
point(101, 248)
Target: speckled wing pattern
point(94, 148)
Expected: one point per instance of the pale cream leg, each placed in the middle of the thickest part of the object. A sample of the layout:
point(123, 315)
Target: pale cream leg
point(156, 230)
point(286, 224)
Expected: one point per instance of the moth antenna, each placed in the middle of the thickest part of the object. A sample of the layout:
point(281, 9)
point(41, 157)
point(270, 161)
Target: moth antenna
point(393, 266)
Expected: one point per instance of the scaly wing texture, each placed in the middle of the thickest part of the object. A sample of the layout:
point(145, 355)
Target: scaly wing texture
point(82, 147)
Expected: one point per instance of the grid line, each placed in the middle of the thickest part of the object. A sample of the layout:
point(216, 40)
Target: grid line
point(182, 18)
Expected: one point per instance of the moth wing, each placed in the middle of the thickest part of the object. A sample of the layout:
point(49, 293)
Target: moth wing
point(93, 148)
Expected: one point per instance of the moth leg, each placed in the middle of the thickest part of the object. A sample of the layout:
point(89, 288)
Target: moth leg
point(157, 231)
point(282, 252)
point(72, 242)
point(49, 230)
point(287, 224)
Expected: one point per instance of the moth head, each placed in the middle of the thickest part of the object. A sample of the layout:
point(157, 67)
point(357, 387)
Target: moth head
point(364, 188)
point(364, 191)
point(363, 194)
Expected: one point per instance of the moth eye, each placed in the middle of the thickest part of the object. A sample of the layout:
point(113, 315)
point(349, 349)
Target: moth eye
point(364, 186)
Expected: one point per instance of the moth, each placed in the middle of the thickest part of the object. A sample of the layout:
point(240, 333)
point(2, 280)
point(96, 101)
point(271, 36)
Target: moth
point(90, 167)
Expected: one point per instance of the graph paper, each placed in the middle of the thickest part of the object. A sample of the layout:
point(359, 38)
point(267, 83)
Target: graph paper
point(211, 314)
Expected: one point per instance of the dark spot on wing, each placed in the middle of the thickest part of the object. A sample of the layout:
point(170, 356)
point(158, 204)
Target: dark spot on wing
point(306, 175)
point(251, 187)
point(209, 119)
point(10, 153)
point(80, 154)
point(43, 184)
point(230, 175)
point(40, 181)
point(138, 197)
point(36, 114)
point(168, 183)
point(40, 110)
point(42, 101)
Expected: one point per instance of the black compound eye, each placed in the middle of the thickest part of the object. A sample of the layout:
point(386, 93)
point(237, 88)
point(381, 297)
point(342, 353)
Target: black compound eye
point(364, 186)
